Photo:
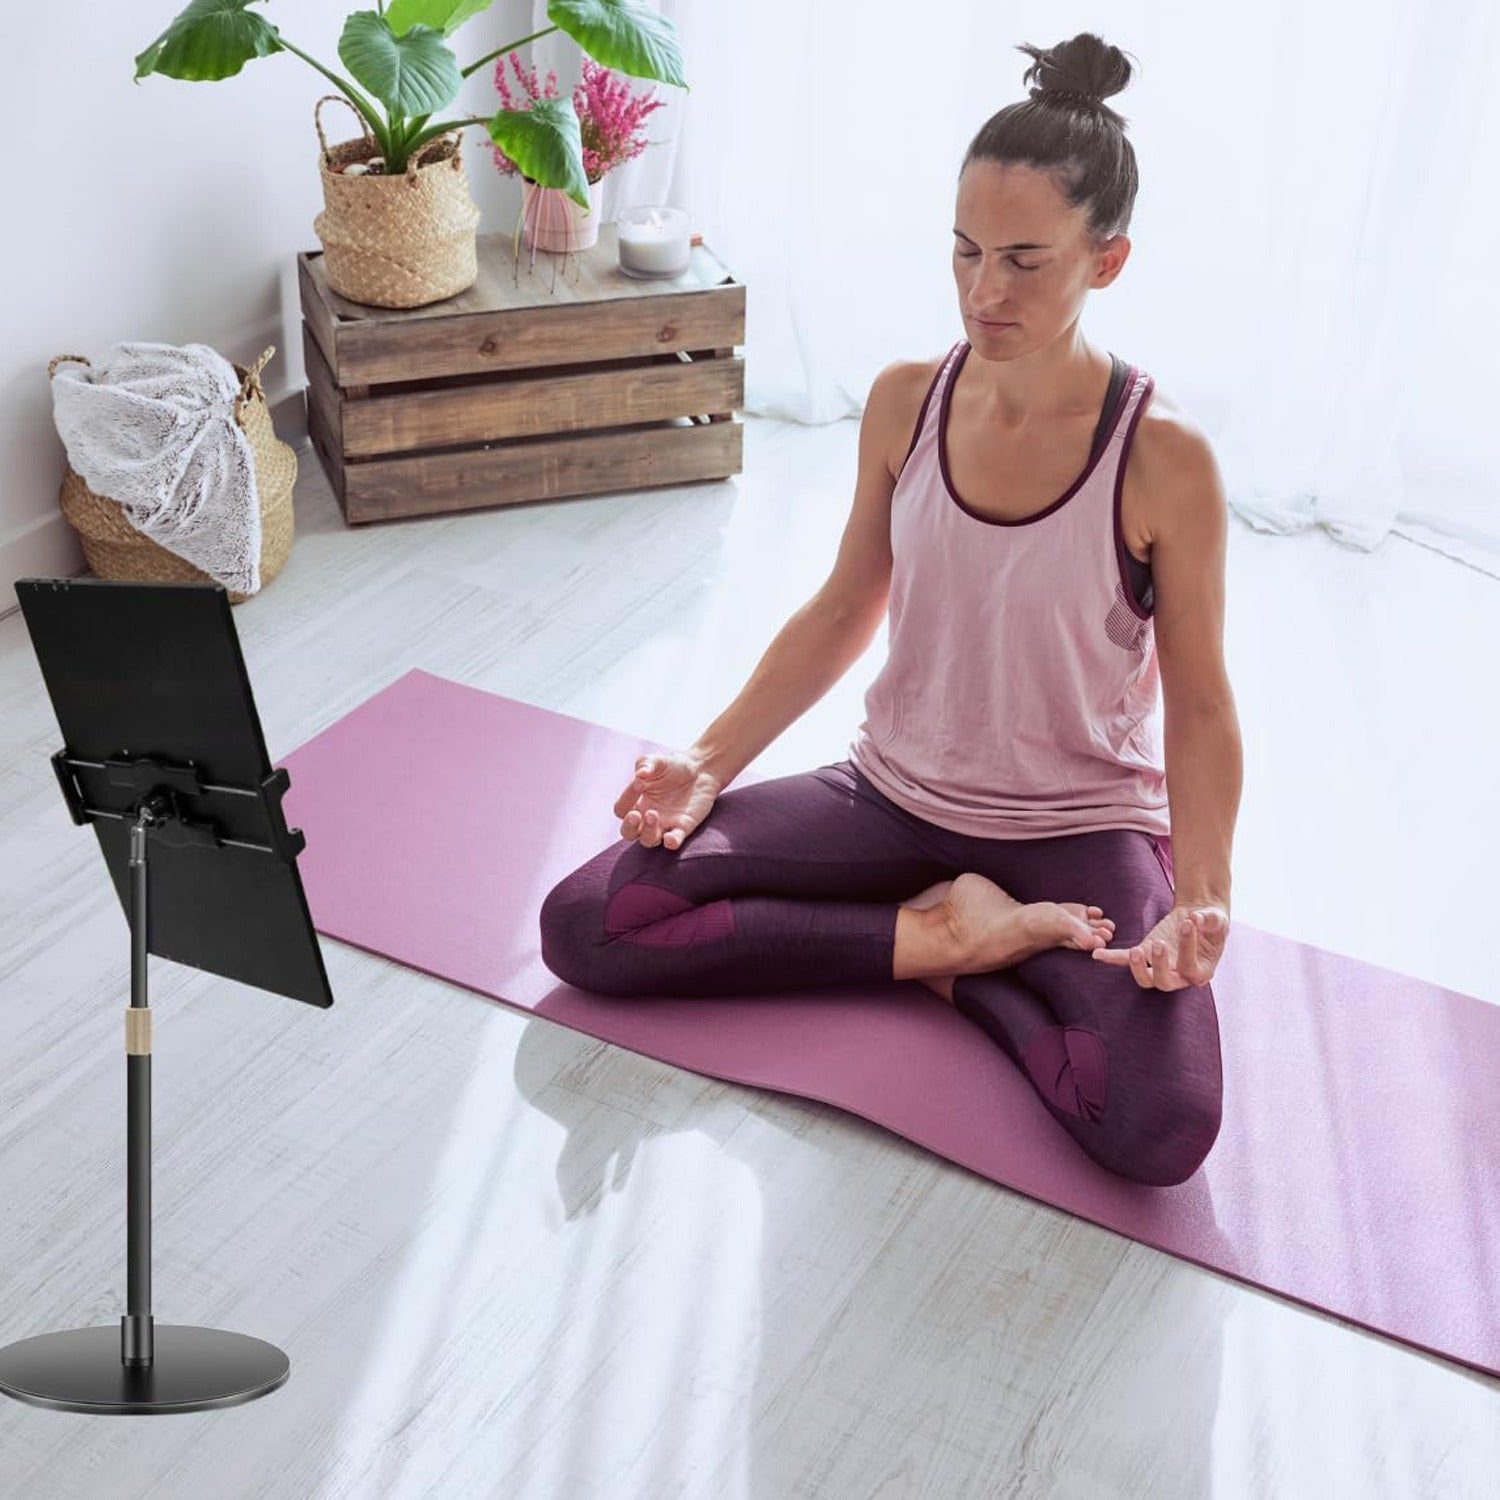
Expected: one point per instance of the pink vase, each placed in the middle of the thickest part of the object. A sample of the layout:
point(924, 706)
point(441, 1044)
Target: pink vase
point(553, 221)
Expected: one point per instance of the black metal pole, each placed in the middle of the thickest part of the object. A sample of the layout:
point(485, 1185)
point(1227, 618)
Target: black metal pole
point(137, 1345)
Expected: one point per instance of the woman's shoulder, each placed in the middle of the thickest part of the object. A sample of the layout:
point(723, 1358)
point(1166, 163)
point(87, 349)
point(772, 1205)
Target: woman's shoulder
point(911, 380)
point(923, 371)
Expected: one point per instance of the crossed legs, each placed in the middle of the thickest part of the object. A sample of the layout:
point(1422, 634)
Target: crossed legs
point(805, 881)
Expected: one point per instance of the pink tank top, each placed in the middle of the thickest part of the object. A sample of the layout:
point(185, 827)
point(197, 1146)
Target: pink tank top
point(1019, 697)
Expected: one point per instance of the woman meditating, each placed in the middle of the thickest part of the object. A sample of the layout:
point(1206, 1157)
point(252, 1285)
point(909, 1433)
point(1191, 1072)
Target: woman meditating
point(1048, 535)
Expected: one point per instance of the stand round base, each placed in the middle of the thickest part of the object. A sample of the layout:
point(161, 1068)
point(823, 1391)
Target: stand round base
point(192, 1369)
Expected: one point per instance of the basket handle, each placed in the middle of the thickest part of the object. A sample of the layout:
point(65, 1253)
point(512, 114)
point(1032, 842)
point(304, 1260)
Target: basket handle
point(414, 161)
point(63, 359)
point(364, 124)
point(251, 387)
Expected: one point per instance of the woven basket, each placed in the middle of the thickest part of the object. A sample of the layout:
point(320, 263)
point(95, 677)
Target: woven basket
point(401, 241)
point(115, 549)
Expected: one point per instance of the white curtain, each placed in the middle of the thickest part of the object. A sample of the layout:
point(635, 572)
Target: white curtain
point(1310, 275)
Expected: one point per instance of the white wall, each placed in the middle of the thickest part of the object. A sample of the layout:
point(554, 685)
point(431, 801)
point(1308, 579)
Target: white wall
point(166, 211)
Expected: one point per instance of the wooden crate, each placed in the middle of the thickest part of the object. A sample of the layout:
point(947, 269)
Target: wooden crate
point(562, 377)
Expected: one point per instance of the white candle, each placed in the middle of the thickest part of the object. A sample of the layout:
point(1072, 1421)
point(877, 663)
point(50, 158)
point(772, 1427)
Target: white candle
point(654, 241)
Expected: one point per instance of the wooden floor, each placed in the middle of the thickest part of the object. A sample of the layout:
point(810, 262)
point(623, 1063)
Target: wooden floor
point(509, 1260)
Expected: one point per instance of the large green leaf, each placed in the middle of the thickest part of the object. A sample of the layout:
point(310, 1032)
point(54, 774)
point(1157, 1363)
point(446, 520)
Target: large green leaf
point(544, 142)
point(412, 74)
point(443, 15)
point(211, 39)
point(622, 35)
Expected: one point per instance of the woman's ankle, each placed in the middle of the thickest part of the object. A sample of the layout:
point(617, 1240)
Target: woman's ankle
point(926, 945)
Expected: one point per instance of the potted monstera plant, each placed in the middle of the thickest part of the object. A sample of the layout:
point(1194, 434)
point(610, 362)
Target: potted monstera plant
point(398, 226)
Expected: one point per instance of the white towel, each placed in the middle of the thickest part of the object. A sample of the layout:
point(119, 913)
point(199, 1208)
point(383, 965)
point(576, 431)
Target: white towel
point(152, 426)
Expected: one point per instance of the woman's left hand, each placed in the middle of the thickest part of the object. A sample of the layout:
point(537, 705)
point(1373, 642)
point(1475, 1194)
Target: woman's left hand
point(1183, 949)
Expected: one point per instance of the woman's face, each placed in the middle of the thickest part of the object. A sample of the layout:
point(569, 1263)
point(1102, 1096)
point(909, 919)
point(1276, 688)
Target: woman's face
point(1021, 257)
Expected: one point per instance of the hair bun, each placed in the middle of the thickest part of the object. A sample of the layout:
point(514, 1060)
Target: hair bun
point(1084, 70)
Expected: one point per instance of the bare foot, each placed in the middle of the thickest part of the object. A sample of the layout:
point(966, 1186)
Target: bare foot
point(939, 984)
point(935, 895)
point(997, 930)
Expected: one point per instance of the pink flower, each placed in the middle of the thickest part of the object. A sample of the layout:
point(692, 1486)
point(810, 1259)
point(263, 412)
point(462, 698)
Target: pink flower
point(528, 81)
point(610, 117)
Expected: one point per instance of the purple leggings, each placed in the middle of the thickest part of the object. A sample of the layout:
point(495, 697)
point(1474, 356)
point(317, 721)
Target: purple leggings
point(794, 883)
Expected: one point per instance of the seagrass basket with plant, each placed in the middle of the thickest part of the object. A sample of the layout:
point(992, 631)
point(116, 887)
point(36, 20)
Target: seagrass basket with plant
point(115, 549)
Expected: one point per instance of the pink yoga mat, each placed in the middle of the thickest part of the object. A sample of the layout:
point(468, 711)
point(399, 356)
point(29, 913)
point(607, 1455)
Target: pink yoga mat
point(1358, 1166)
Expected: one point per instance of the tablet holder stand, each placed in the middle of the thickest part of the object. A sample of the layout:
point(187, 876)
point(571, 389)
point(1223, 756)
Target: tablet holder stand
point(143, 1366)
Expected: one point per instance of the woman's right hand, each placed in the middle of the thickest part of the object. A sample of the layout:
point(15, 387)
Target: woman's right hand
point(670, 796)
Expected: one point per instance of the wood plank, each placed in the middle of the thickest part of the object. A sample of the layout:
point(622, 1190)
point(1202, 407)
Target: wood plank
point(326, 448)
point(375, 352)
point(500, 408)
point(322, 392)
point(316, 312)
point(541, 469)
